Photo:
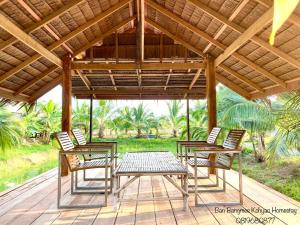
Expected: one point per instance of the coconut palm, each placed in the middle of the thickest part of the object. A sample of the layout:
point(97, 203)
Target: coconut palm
point(81, 116)
point(174, 116)
point(50, 119)
point(125, 115)
point(140, 118)
point(254, 116)
point(103, 114)
point(11, 129)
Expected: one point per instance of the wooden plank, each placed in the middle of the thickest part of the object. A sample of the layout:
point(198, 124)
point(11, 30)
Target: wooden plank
point(5, 93)
point(163, 209)
point(258, 25)
point(17, 32)
point(196, 77)
point(134, 66)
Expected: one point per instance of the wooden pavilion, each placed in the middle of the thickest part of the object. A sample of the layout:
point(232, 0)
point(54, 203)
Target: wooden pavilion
point(142, 49)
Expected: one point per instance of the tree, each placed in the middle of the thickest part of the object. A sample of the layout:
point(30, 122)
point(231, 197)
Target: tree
point(140, 118)
point(125, 116)
point(103, 114)
point(81, 116)
point(155, 123)
point(50, 119)
point(11, 129)
point(174, 117)
point(254, 116)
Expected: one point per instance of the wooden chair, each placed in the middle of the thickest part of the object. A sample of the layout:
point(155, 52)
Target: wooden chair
point(188, 145)
point(225, 155)
point(211, 140)
point(71, 154)
point(112, 145)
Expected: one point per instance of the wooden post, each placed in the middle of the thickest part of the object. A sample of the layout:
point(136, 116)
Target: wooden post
point(211, 99)
point(188, 119)
point(66, 104)
point(91, 118)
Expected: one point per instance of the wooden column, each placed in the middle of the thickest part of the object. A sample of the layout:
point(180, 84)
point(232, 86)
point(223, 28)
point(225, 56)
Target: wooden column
point(91, 118)
point(66, 103)
point(211, 98)
point(188, 119)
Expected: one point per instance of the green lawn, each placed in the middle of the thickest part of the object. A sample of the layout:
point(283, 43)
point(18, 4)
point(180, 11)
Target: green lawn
point(27, 161)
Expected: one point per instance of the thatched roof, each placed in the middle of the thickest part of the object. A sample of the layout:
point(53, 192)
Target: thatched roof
point(234, 32)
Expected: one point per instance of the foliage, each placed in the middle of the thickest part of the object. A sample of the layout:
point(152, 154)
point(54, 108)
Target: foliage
point(11, 129)
point(103, 114)
point(174, 117)
point(81, 116)
point(140, 118)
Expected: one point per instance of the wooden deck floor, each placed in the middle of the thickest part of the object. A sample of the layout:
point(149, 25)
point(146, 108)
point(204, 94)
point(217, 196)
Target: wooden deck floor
point(35, 203)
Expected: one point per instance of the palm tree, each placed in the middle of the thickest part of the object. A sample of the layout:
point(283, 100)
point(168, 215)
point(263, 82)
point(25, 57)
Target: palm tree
point(81, 116)
point(254, 116)
point(125, 116)
point(155, 123)
point(103, 114)
point(50, 119)
point(11, 129)
point(174, 117)
point(140, 118)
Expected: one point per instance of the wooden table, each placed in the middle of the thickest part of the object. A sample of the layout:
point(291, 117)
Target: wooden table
point(137, 164)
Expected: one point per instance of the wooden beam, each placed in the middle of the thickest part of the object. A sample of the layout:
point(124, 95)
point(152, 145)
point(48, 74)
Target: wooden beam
point(174, 37)
point(104, 35)
point(6, 93)
point(202, 34)
point(52, 84)
point(133, 66)
point(293, 18)
point(223, 27)
point(136, 90)
point(242, 78)
point(46, 27)
point(291, 86)
point(35, 80)
point(66, 38)
point(142, 27)
point(196, 77)
point(227, 22)
point(167, 82)
point(232, 86)
point(258, 25)
point(188, 119)
point(84, 80)
point(42, 22)
point(17, 32)
point(197, 51)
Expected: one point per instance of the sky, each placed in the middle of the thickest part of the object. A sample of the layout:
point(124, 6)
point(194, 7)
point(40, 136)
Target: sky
point(158, 107)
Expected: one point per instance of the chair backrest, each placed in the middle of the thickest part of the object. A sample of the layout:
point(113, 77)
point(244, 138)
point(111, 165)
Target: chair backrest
point(67, 145)
point(79, 136)
point(213, 135)
point(232, 141)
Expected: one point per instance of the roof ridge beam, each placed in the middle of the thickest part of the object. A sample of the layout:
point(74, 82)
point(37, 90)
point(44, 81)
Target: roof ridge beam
point(42, 22)
point(66, 38)
point(14, 30)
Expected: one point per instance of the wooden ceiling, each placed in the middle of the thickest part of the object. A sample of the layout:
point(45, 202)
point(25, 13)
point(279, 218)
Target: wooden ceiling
point(168, 41)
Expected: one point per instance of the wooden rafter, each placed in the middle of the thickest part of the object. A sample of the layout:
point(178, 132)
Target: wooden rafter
point(133, 66)
point(42, 22)
point(35, 80)
point(47, 27)
point(258, 25)
point(196, 77)
point(232, 86)
point(84, 79)
point(66, 38)
point(5, 93)
point(210, 39)
point(293, 18)
point(18, 33)
point(260, 42)
point(45, 73)
point(223, 27)
point(52, 84)
point(224, 81)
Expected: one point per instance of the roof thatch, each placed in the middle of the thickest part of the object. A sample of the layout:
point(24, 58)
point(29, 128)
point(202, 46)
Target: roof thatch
point(252, 68)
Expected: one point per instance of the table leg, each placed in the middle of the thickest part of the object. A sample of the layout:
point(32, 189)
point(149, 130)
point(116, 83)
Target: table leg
point(185, 198)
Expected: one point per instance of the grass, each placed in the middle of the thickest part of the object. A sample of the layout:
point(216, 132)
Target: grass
point(27, 161)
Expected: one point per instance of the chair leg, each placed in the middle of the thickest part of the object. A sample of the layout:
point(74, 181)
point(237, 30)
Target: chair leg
point(224, 180)
point(240, 179)
point(196, 181)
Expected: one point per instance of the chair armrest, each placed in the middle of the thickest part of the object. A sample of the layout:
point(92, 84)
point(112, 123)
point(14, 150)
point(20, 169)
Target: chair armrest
point(82, 151)
point(102, 142)
point(217, 150)
point(200, 144)
point(183, 142)
point(89, 147)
